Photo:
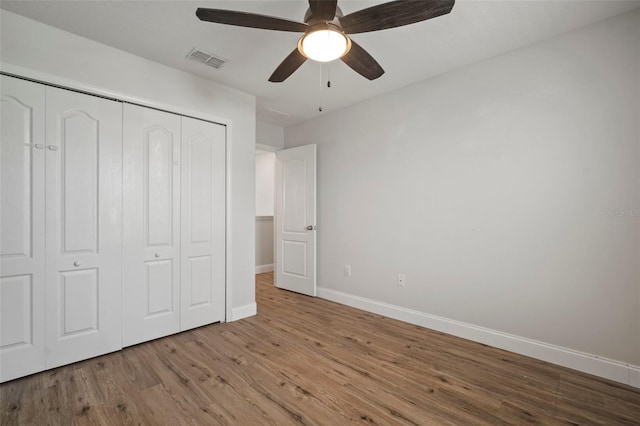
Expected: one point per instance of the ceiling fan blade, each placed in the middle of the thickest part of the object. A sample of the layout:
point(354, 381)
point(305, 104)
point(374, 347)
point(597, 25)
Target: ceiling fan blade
point(323, 9)
point(287, 67)
point(250, 20)
point(394, 14)
point(361, 62)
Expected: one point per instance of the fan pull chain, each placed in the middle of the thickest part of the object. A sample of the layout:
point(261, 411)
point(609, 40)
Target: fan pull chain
point(320, 107)
point(321, 83)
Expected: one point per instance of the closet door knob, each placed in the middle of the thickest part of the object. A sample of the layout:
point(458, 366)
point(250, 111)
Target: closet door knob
point(53, 148)
point(157, 254)
point(39, 146)
point(76, 263)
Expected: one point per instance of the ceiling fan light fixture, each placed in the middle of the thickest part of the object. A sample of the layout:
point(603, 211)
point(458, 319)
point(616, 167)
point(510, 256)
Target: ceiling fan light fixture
point(324, 43)
point(325, 30)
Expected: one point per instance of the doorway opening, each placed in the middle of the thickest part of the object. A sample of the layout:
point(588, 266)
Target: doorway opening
point(265, 198)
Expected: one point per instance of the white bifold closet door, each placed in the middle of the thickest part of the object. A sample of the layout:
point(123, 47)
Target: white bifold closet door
point(151, 227)
point(202, 223)
point(83, 226)
point(174, 223)
point(22, 257)
point(61, 191)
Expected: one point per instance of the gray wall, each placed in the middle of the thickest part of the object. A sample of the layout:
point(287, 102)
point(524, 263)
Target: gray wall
point(492, 188)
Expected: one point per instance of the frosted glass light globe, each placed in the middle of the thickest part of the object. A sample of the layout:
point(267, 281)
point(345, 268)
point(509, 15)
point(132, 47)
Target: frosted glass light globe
point(324, 45)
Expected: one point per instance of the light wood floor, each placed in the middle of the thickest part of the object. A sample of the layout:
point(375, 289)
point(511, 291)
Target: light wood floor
point(309, 361)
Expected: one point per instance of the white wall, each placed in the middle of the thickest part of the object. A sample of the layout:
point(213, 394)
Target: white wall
point(31, 48)
point(265, 182)
point(489, 187)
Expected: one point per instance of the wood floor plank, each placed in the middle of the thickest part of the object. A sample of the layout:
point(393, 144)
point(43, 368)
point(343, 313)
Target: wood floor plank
point(308, 361)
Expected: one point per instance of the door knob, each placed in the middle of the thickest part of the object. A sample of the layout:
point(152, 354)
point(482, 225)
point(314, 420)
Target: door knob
point(310, 228)
point(157, 255)
point(76, 263)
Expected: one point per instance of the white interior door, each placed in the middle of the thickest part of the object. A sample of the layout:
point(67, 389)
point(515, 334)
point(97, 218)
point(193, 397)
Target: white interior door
point(203, 216)
point(295, 263)
point(83, 226)
point(22, 199)
point(151, 224)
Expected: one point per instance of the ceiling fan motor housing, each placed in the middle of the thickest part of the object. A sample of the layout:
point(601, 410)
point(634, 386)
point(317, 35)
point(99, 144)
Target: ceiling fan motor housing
point(308, 16)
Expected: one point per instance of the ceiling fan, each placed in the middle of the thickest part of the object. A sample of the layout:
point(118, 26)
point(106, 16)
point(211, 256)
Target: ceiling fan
point(325, 30)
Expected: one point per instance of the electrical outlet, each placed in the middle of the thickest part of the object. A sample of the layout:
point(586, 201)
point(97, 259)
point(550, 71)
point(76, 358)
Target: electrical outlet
point(401, 280)
point(347, 270)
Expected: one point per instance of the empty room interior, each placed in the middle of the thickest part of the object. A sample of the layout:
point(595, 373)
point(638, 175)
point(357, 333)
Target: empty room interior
point(420, 212)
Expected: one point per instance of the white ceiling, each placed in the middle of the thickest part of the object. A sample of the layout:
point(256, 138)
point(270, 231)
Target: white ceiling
point(166, 31)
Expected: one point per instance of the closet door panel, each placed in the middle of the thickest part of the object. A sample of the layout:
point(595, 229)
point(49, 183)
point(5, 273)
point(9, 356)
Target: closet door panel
point(203, 223)
point(151, 224)
point(159, 289)
point(22, 260)
point(78, 146)
point(78, 302)
point(83, 226)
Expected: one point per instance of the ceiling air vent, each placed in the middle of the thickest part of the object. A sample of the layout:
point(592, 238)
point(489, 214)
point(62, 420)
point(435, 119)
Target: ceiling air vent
point(206, 58)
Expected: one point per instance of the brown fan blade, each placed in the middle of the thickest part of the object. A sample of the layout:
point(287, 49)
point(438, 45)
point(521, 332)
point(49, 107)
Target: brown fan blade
point(361, 62)
point(323, 9)
point(250, 20)
point(287, 67)
point(394, 14)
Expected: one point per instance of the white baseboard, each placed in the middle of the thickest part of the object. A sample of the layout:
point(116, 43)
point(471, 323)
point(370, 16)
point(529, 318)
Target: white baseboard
point(634, 377)
point(244, 311)
point(587, 363)
point(261, 269)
